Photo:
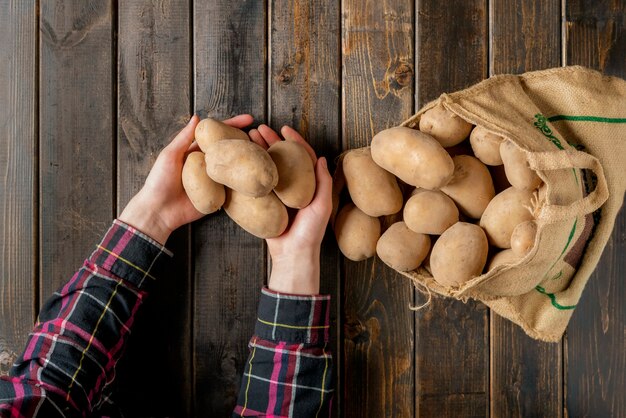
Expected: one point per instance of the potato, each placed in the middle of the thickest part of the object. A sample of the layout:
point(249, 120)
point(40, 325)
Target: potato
point(206, 195)
point(296, 175)
point(523, 238)
point(503, 257)
point(413, 156)
point(459, 254)
point(263, 217)
point(504, 213)
point(486, 146)
point(356, 233)
point(373, 189)
point(471, 186)
point(211, 130)
point(430, 212)
point(444, 125)
point(516, 167)
point(241, 165)
point(402, 249)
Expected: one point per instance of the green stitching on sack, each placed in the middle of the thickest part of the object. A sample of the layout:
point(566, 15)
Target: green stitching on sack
point(553, 299)
point(586, 119)
point(542, 125)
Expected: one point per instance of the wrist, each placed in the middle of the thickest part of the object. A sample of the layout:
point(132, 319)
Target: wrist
point(296, 273)
point(145, 220)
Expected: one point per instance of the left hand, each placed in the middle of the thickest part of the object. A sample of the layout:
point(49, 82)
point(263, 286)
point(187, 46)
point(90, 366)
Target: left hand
point(161, 206)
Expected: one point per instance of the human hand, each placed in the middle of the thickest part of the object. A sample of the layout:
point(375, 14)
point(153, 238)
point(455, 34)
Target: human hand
point(296, 253)
point(162, 205)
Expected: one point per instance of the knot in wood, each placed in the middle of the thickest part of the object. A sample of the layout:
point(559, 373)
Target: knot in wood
point(403, 74)
point(286, 74)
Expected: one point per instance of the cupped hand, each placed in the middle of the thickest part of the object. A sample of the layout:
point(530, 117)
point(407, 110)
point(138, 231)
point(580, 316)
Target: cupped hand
point(296, 253)
point(161, 206)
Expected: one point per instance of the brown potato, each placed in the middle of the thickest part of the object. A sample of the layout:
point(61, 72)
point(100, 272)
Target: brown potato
point(402, 249)
point(356, 233)
point(241, 165)
point(523, 238)
point(504, 213)
point(430, 212)
point(503, 257)
point(206, 195)
point(373, 189)
point(211, 130)
point(413, 156)
point(471, 186)
point(296, 175)
point(459, 254)
point(263, 217)
point(444, 125)
point(519, 174)
point(486, 146)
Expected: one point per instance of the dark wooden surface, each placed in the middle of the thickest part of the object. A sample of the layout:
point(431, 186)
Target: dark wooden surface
point(92, 90)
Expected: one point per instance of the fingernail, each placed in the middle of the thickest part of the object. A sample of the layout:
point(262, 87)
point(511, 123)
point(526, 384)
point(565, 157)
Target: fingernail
point(323, 162)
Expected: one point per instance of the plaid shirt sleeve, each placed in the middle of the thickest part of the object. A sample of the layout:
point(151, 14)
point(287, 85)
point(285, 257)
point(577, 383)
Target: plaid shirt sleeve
point(70, 355)
point(289, 369)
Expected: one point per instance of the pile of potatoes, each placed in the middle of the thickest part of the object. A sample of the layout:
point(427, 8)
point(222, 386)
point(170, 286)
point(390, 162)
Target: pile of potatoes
point(254, 186)
point(460, 196)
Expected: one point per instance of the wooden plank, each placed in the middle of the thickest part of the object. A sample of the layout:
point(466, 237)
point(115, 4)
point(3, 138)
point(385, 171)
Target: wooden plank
point(18, 165)
point(153, 105)
point(378, 370)
point(230, 265)
point(526, 375)
point(595, 354)
point(452, 338)
point(76, 131)
point(305, 86)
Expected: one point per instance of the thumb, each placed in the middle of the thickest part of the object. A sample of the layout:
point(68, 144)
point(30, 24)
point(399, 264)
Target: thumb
point(185, 137)
point(322, 200)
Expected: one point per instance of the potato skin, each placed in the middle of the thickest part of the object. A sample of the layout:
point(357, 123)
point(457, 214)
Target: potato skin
point(486, 146)
point(296, 175)
point(206, 195)
point(413, 156)
point(356, 233)
point(373, 189)
point(241, 165)
point(263, 217)
point(211, 130)
point(508, 209)
point(459, 254)
point(444, 125)
point(503, 257)
point(519, 174)
point(523, 238)
point(430, 212)
point(471, 186)
point(402, 249)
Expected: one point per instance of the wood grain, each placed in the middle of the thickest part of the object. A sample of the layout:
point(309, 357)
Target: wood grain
point(526, 374)
point(595, 354)
point(230, 265)
point(153, 105)
point(377, 93)
point(76, 131)
point(305, 83)
point(18, 165)
point(452, 338)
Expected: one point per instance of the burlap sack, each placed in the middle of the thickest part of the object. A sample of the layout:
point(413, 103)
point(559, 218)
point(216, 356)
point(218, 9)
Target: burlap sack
point(565, 119)
point(571, 123)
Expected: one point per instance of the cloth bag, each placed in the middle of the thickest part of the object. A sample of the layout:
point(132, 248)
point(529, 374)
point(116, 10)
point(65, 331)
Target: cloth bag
point(571, 124)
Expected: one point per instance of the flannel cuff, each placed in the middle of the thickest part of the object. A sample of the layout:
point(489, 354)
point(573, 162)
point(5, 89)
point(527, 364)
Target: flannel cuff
point(293, 318)
point(131, 254)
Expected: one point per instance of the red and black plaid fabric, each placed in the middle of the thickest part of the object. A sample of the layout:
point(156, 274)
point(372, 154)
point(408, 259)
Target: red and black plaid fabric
point(68, 365)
